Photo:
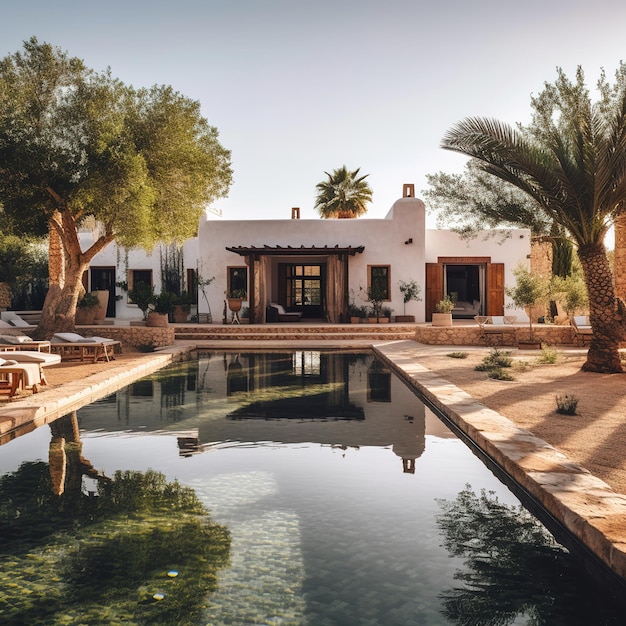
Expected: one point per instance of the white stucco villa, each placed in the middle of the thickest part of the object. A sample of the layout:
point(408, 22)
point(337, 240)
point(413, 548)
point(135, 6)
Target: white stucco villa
point(319, 267)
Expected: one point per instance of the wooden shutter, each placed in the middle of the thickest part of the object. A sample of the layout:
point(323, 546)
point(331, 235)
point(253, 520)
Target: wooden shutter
point(434, 287)
point(495, 288)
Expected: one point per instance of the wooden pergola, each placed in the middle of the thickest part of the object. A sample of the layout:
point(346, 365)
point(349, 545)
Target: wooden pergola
point(336, 295)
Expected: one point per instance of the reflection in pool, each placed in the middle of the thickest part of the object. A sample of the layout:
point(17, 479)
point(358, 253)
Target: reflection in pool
point(335, 497)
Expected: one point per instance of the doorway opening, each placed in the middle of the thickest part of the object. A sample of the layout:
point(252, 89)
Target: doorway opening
point(468, 282)
point(304, 288)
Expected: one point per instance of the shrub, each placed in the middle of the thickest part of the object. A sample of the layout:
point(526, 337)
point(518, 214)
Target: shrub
point(548, 356)
point(495, 359)
point(458, 355)
point(566, 404)
point(497, 373)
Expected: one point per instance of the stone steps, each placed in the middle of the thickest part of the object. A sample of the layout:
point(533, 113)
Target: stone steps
point(302, 332)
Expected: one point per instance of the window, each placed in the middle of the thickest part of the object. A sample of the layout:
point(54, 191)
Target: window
point(237, 286)
point(378, 281)
point(136, 277)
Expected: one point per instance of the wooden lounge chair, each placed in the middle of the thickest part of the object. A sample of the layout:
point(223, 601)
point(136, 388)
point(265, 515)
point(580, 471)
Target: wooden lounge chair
point(23, 342)
point(15, 376)
point(75, 347)
point(582, 329)
point(41, 359)
point(497, 327)
point(13, 320)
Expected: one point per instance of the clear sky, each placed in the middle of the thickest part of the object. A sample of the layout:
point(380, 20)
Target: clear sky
point(299, 87)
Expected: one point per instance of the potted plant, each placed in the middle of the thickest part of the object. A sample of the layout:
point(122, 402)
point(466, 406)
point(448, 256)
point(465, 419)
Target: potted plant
point(530, 293)
point(160, 309)
point(181, 308)
point(385, 315)
point(356, 313)
point(235, 299)
point(86, 309)
point(443, 310)
point(142, 294)
point(410, 290)
point(376, 297)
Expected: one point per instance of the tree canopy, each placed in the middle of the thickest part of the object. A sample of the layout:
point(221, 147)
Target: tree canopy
point(344, 195)
point(78, 144)
point(571, 162)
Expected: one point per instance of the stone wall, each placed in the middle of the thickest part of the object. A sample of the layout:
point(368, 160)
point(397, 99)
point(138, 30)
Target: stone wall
point(132, 337)
point(472, 336)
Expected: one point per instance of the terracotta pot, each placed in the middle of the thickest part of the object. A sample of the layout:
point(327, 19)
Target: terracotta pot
point(85, 316)
point(157, 320)
point(180, 313)
point(101, 309)
point(234, 304)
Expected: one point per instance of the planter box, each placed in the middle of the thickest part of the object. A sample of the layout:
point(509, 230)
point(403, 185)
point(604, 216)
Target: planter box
point(442, 319)
point(405, 319)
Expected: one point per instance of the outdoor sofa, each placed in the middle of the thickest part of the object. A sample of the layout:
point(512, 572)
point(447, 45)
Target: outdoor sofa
point(276, 313)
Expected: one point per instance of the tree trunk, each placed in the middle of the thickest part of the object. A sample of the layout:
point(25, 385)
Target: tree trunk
point(66, 264)
point(606, 312)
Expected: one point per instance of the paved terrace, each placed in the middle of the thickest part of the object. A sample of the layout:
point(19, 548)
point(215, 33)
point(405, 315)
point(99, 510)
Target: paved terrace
point(593, 514)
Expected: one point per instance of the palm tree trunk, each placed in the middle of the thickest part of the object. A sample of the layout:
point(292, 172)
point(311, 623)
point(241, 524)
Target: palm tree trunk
point(605, 311)
point(620, 257)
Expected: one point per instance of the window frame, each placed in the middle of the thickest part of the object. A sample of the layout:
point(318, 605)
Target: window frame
point(229, 279)
point(370, 281)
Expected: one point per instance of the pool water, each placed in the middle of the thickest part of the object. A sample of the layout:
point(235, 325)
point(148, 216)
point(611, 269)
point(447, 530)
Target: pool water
point(335, 497)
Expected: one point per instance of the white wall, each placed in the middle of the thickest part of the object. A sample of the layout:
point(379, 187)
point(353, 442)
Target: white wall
point(383, 239)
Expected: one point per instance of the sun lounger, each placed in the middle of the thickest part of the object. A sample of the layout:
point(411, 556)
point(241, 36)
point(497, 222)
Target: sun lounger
point(582, 328)
point(497, 326)
point(41, 359)
point(14, 320)
point(22, 342)
point(15, 376)
point(72, 346)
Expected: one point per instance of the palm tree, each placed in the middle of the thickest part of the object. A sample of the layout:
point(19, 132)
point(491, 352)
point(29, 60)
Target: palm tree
point(571, 160)
point(343, 195)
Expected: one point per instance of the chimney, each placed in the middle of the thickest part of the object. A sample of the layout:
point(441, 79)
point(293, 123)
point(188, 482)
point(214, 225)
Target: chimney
point(408, 190)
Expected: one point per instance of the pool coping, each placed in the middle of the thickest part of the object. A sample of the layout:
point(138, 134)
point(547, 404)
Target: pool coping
point(587, 508)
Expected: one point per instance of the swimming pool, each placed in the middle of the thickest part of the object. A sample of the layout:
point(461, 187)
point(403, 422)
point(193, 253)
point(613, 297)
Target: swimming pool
point(335, 497)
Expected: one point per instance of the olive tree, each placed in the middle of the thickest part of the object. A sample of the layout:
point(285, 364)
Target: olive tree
point(75, 144)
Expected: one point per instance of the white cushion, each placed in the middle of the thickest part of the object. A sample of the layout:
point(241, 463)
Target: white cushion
point(15, 339)
point(7, 362)
point(19, 322)
point(69, 337)
point(4, 324)
point(28, 356)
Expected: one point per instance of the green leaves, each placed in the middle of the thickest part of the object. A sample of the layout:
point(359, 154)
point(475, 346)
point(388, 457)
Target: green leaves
point(343, 195)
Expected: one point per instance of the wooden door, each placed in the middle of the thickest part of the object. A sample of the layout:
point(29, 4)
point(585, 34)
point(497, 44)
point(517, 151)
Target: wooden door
point(434, 288)
point(495, 288)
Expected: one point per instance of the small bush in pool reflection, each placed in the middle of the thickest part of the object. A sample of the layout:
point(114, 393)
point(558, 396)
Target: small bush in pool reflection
point(512, 568)
point(109, 553)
